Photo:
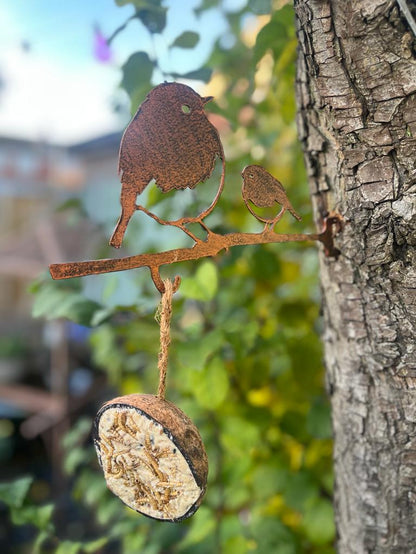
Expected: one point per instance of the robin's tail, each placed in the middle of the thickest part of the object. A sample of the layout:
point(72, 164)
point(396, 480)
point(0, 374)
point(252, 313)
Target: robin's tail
point(129, 192)
point(118, 233)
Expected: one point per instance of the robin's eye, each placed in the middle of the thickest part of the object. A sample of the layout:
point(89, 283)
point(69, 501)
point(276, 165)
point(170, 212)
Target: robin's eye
point(185, 108)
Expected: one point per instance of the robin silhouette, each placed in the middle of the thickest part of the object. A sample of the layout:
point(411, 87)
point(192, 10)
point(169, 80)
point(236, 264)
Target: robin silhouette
point(170, 141)
point(263, 190)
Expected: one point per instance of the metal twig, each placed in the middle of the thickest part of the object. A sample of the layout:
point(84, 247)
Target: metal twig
point(208, 248)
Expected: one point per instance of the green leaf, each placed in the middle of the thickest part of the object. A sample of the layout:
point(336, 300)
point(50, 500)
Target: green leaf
point(211, 385)
point(74, 459)
point(14, 493)
point(272, 36)
point(272, 536)
point(236, 545)
point(106, 351)
point(205, 5)
point(153, 18)
point(137, 72)
point(68, 547)
point(138, 68)
point(194, 353)
point(300, 490)
point(48, 300)
point(95, 490)
point(237, 495)
point(100, 316)
point(134, 542)
point(203, 286)
point(318, 422)
point(318, 522)
point(231, 527)
point(150, 12)
point(123, 528)
point(93, 546)
point(71, 204)
point(203, 524)
point(40, 539)
point(40, 517)
point(260, 7)
point(202, 74)
point(188, 39)
point(268, 480)
point(108, 511)
point(54, 302)
point(77, 434)
point(239, 435)
point(140, 3)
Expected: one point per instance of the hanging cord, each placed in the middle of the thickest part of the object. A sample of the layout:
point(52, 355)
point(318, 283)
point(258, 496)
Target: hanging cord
point(163, 317)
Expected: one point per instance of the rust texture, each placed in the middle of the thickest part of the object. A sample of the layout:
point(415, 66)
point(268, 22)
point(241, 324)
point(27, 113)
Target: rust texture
point(264, 191)
point(211, 247)
point(171, 141)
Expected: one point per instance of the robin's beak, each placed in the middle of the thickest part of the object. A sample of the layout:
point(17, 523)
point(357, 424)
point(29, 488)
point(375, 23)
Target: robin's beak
point(206, 99)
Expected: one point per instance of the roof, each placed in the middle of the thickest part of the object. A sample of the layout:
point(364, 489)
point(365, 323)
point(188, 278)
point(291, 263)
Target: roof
point(109, 141)
point(99, 144)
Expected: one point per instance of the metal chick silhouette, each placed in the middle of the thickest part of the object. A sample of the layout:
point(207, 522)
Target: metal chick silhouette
point(264, 191)
point(171, 141)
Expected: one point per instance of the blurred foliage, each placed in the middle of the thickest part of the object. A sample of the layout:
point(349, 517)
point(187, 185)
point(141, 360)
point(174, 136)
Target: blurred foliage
point(246, 360)
point(12, 347)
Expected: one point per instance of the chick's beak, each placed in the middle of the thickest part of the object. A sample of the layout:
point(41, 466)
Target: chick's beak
point(206, 99)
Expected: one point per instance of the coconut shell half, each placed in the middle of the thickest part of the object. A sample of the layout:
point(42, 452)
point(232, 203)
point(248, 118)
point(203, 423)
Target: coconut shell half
point(152, 456)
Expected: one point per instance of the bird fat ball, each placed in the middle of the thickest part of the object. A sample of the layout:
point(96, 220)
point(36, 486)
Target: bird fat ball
point(152, 456)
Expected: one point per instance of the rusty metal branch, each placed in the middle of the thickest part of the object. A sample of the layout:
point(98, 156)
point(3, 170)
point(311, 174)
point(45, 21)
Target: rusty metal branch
point(208, 248)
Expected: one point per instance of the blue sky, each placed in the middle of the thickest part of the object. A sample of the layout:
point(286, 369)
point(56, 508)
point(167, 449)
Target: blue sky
point(56, 90)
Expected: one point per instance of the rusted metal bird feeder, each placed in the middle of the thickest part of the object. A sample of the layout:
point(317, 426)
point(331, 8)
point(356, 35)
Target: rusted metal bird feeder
point(150, 452)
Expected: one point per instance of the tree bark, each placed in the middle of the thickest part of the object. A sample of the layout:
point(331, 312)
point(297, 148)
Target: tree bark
point(356, 89)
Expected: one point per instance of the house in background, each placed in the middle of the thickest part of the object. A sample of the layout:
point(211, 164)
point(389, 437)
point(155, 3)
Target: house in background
point(35, 178)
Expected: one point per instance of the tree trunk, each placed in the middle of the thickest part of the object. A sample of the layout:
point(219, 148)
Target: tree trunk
point(356, 87)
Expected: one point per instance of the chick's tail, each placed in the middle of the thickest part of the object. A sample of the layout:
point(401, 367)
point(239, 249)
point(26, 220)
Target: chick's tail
point(293, 212)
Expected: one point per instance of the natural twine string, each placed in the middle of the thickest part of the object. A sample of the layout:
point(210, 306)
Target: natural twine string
point(163, 317)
